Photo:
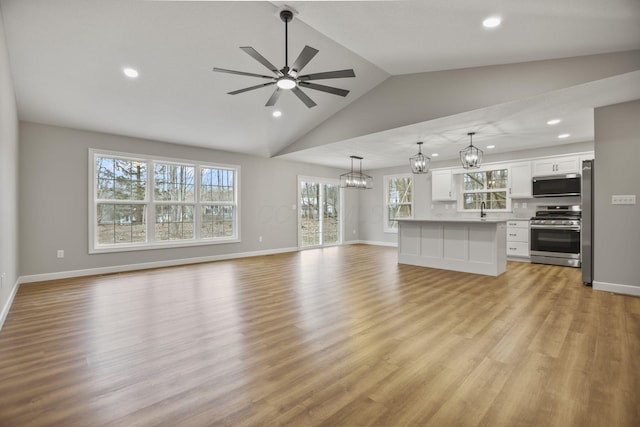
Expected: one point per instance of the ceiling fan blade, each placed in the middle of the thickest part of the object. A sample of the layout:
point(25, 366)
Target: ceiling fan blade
point(261, 59)
point(303, 59)
point(274, 98)
point(323, 88)
point(246, 89)
point(303, 97)
point(328, 75)
point(241, 73)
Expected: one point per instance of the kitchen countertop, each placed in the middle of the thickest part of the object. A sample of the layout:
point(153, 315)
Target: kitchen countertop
point(471, 220)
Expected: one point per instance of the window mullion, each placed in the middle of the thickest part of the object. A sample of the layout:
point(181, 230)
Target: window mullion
point(151, 206)
point(197, 204)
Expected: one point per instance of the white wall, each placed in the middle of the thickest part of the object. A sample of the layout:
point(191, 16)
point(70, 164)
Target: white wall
point(54, 201)
point(616, 171)
point(8, 181)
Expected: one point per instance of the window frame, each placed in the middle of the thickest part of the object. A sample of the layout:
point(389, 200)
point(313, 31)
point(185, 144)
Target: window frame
point(462, 191)
point(386, 204)
point(150, 204)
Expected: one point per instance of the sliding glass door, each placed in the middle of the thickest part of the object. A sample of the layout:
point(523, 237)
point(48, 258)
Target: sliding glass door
point(319, 207)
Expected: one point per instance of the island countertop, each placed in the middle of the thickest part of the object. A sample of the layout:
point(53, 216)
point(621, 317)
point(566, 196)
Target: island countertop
point(454, 219)
point(472, 245)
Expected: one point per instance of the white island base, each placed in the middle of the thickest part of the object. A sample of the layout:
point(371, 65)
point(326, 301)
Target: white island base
point(469, 245)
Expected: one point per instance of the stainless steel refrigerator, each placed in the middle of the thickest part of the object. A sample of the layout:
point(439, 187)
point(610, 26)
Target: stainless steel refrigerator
point(586, 232)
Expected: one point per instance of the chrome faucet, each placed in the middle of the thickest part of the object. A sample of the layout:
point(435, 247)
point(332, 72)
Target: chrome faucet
point(483, 206)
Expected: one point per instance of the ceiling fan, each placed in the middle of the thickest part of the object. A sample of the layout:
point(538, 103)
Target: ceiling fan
point(289, 78)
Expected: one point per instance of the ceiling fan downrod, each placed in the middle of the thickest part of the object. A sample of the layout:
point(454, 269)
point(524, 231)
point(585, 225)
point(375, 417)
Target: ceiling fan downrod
point(286, 16)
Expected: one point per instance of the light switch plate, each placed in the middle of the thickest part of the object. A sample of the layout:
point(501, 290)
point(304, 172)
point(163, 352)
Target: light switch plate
point(629, 199)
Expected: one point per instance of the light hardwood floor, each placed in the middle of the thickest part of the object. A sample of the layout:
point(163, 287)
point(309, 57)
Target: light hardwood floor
point(336, 336)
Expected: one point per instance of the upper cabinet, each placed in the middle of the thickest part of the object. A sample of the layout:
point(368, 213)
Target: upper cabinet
point(442, 186)
point(556, 166)
point(520, 186)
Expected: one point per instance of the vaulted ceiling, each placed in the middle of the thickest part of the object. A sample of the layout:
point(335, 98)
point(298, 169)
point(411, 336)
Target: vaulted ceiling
point(67, 58)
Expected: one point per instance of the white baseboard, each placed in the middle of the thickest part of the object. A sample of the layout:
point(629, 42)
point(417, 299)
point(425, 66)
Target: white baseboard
point(617, 288)
point(5, 310)
point(374, 243)
point(143, 266)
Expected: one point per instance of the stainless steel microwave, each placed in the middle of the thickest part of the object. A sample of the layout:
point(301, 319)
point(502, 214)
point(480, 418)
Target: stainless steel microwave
point(556, 185)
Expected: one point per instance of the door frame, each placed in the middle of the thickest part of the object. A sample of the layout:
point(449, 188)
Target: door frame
point(323, 181)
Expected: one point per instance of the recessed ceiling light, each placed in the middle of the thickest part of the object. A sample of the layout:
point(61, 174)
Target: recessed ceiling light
point(492, 22)
point(130, 72)
point(564, 135)
point(553, 122)
point(435, 155)
point(277, 113)
point(491, 146)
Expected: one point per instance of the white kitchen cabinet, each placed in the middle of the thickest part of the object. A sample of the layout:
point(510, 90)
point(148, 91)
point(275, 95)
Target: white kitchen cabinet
point(442, 186)
point(518, 239)
point(556, 166)
point(520, 180)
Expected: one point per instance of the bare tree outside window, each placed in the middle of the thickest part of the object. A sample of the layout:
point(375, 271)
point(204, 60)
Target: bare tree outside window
point(140, 201)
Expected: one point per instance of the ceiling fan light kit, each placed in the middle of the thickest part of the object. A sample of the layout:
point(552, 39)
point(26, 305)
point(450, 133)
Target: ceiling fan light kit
point(471, 157)
point(357, 180)
point(289, 78)
point(419, 163)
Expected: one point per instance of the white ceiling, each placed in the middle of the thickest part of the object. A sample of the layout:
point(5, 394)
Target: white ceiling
point(67, 58)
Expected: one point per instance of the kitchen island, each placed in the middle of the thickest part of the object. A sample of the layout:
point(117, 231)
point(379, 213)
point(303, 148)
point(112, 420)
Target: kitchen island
point(471, 245)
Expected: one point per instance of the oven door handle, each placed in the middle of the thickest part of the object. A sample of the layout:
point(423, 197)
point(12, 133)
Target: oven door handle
point(556, 227)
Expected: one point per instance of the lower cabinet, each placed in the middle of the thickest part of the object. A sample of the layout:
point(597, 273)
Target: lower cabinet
point(518, 239)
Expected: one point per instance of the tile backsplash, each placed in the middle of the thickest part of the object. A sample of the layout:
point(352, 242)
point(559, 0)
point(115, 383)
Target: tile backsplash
point(520, 208)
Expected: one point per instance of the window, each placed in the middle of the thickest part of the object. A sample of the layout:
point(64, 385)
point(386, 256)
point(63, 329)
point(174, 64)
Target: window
point(142, 203)
point(486, 186)
point(398, 194)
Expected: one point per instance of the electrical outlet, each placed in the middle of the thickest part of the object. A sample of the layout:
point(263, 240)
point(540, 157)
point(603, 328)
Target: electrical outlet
point(354, 231)
point(524, 205)
point(629, 199)
point(260, 239)
point(2, 281)
point(60, 253)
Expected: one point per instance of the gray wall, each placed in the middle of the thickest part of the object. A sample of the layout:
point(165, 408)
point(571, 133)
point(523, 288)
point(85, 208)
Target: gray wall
point(372, 202)
point(617, 227)
point(415, 98)
point(8, 178)
point(54, 200)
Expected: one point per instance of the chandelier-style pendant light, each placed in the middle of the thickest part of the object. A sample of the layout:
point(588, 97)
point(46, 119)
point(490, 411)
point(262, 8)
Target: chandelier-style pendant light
point(358, 179)
point(419, 163)
point(471, 157)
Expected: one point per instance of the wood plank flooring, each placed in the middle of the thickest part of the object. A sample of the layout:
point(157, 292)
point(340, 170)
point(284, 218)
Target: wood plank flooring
point(327, 337)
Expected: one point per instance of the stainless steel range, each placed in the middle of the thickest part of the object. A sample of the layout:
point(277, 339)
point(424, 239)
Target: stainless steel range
point(555, 235)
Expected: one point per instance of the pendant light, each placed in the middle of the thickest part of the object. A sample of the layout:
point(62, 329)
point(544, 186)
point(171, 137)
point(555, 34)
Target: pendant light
point(471, 157)
point(356, 180)
point(419, 163)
